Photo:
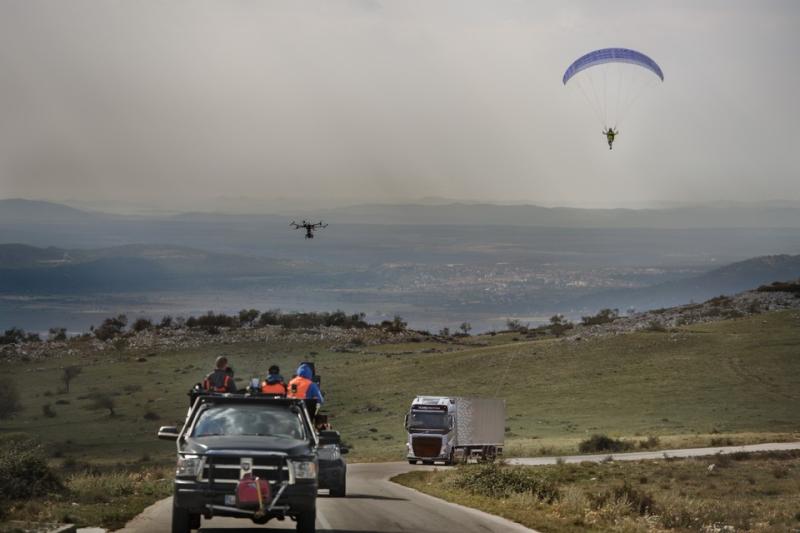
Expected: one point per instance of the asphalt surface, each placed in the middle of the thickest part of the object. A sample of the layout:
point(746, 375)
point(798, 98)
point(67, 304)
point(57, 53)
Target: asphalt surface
point(375, 504)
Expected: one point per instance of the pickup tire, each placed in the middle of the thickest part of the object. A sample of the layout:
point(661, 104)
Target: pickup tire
point(181, 520)
point(340, 490)
point(306, 522)
point(412, 461)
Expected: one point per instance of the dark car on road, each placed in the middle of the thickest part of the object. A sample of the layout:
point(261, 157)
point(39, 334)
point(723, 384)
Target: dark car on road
point(229, 438)
point(332, 467)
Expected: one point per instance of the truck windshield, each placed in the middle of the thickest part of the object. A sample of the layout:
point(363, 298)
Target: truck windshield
point(241, 420)
point(428, 420)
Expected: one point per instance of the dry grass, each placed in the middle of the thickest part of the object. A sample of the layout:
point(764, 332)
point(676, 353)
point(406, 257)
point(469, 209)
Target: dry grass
point(744, 492)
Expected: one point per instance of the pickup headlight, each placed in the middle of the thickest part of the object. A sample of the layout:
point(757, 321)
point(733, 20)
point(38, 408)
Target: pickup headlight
point(188, 466)
point(329, 452)
point(304, 469)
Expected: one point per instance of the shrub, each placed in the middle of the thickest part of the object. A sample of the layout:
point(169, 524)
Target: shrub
point(781, 286)
point(248, 316)
point(141, 324)
point(498, 481)
point(639, 500)
point(151, 415)
point(512, 324)
point(651, 442)
point(47, 411)
point(605, 316)
point(655, 325)
point(57, 334)
point(9, 398)
point(603, 443)
point(396, 325)
point(559, 325)
point(13, 336)
point(24, 472)
point(111, 327)
point(101, 401)
point(70, 373)
point(465, 328)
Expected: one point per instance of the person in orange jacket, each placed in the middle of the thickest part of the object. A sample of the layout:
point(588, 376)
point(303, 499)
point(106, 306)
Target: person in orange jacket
point(221, 378)
point(274, 384)
point(302, 387)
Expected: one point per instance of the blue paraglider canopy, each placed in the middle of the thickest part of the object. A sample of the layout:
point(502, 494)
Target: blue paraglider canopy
point(612, 55)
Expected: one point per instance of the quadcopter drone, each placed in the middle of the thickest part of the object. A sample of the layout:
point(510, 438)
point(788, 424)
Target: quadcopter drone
point(310, 227)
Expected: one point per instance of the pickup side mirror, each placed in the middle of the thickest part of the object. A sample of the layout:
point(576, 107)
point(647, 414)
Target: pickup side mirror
point(168, 433)
point(450, 422)
point(405, 421)
point(344, 450)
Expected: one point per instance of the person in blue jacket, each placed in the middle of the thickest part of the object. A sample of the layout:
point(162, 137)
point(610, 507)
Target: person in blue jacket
point(303, 387)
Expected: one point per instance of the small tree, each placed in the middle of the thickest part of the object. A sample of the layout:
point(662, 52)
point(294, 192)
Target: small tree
point(141, 324)
point(166, 322)
point(70, 373)
point(465, 328)
point(444, 332)
point(9, 398)
point(559, 325)
point(57, 334)
point(247, 317)
point(396, 325)
point(512, 324)
point(103, 400)
point(111, 327)
point(13, 336)
point(603, 317)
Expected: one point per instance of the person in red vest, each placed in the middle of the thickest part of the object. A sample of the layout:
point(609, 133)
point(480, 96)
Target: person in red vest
point(301, 387)
point(220, 379)
point(274, 384)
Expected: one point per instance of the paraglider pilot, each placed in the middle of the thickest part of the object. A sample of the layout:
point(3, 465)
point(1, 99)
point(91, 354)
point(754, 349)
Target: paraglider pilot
point(610, 135)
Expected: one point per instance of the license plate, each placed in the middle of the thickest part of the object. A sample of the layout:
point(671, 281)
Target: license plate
point(230, 499)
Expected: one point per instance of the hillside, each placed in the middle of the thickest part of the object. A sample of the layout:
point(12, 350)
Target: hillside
point(734, 378)
point(729, 279)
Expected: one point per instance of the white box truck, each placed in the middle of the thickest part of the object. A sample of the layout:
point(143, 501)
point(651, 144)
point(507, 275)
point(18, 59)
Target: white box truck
point(453, 429)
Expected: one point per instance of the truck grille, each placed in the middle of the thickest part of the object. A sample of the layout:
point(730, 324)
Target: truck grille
point(426, 446)
point(226, 469)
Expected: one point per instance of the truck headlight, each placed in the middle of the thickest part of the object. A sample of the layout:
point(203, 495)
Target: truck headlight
point(304, 469)
point(188, 466)
point(329, 452)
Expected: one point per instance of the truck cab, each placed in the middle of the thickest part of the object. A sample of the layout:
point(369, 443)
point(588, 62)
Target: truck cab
point(230, 444)
point(453, 429)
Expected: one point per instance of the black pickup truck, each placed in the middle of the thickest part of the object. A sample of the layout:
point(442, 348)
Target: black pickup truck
point(227, 438)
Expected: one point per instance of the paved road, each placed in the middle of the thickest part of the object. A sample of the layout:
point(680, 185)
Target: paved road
point(375, 504)
point(638, 456)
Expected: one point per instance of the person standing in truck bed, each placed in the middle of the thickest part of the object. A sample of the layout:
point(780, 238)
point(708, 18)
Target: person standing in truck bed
point(274, 384)
point(221, 378)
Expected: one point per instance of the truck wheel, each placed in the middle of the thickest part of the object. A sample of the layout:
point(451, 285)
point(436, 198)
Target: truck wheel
point(412, 461)
point(306, 522)
point(340, 490)
point(181, 520)
point(427, 462)
point(194, 520)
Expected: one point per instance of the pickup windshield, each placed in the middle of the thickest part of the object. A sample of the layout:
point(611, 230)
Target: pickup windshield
point(241, 420)
point(428, 420)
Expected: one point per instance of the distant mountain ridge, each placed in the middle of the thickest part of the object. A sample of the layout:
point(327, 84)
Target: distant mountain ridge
point(727, 280)
point(760, 216)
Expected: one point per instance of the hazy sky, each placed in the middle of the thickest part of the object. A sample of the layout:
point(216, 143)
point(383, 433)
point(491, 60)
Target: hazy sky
point(180, 103)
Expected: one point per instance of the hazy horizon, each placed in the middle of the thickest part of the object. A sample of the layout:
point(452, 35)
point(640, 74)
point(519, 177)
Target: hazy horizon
point(204, 106)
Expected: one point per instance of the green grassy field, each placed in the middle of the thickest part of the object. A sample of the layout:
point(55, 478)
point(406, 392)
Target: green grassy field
point(737, 379)
point(741, 492)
